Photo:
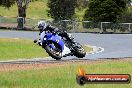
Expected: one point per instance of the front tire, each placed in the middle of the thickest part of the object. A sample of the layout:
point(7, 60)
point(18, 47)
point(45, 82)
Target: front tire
point(54, 53)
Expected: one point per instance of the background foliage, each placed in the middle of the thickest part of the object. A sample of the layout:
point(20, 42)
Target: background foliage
point(61, 9)
point(105, 10)
point(94, 10)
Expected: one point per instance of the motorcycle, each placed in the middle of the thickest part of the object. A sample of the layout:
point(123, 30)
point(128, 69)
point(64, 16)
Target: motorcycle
point(55, 45)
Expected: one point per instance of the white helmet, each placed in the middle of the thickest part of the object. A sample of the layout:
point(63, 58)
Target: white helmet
point(41, 25)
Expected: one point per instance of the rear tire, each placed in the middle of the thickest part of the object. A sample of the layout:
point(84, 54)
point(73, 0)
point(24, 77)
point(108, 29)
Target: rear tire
point(79, 51)
point(52, 53)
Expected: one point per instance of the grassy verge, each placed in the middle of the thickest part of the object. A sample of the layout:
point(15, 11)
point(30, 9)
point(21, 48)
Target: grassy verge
point(19, 48)
point(64, 76)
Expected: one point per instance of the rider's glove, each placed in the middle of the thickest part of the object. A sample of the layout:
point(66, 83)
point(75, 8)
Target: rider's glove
point(35, 41)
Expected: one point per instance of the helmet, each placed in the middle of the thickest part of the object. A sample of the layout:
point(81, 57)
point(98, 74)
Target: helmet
point(42, 25)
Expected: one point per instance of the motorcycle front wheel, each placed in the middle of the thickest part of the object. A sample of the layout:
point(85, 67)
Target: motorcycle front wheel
point(54, 50)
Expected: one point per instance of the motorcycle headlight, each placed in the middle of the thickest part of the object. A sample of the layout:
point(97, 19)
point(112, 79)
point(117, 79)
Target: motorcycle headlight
point(44, 39)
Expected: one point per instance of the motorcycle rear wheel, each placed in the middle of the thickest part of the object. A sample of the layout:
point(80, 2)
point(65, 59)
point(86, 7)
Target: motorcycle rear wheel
point(79, 51)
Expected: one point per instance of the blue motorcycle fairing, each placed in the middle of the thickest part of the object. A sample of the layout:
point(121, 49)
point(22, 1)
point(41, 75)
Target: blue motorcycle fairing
point(58, 40)
point(53, 37)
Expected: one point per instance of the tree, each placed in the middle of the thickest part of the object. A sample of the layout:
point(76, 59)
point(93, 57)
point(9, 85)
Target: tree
point(22, 8)
point(105, 10)
point(127, 17)
point(61, 9)
point(7, 3)
point(81, 4)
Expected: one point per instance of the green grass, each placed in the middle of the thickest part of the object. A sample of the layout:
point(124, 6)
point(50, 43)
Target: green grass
point(11, 49)
point(64, 76)
point(87, 48)
point(37, 9)
point(9, 20)
point(19, 48)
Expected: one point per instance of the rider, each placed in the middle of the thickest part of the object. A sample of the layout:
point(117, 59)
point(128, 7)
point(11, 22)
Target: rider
point(43, 26)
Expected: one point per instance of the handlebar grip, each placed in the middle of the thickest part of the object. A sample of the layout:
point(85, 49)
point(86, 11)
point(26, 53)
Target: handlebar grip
point(35, 41)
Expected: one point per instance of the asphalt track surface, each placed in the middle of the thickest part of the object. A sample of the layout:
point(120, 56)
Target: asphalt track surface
point(107, 45)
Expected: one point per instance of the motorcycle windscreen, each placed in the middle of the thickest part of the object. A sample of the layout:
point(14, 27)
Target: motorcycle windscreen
point(49, 35)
